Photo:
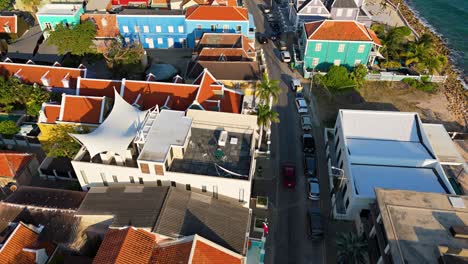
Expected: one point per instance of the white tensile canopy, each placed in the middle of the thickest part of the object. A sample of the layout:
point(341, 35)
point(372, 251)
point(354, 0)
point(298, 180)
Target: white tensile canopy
point(116, 132)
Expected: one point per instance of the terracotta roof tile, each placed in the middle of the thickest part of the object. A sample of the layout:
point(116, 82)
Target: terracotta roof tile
point(338, 30)
point(123, 246)
point(98, 87)
point(106, 24)
point(13, 162)
point(22, 238)
point(51, 112)
point(31, 73)
point(8, 21)
point(205, 253)
point(231, 102)
point(216, 54)
point(204, 12)
point(173, 253)
point(82, 109)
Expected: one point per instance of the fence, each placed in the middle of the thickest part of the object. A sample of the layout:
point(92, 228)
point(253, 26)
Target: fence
point(393, 77)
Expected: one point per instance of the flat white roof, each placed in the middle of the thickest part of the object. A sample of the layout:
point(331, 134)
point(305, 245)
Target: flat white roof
point(170, 128)
point(366, 178)
point(59, 9)
point(443, 146)
point(386, 149)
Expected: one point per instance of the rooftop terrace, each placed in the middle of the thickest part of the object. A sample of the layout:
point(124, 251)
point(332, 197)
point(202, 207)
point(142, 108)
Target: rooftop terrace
point(59, 9)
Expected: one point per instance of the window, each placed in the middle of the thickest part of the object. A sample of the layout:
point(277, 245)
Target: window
point(159, 183)
point(181, 29)
point(187, 187)
point(114, 178)
point(239, 28)
point(145, 29)
point(173, 183)
point(349, 12)
point(144, 168)
point(104, 22)
point(140, 179)
point(124, 28)
point(315, 61)
point(170, 42)
point(213, 27)
point(347, 203)
point(159, 169)
point(341, 47)
point(226, 28)
point(132, 180)
point(104, 180)
point(361, 49)
point(182, 43)
point(83, 175)
point(127, 40)
point(199, 27)
point(158, 28)
point(137, 29)
point(337, 62)
point(170, 29)
point(318, 47)
point(49, 26)
point(203, 188)
point(357, 62)
point(339, 12)
point(160, 41)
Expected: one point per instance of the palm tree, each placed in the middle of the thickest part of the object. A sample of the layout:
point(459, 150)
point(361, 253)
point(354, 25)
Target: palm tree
point(265, 115)
point(268, 89)
point(352, 249)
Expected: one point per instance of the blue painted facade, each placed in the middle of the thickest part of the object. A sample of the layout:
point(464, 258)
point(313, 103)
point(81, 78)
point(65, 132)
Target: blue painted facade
point(154, 31)
point(175, 31)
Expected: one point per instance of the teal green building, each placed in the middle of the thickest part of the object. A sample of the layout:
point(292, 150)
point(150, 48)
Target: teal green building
point(332, 42)
point(50, 15)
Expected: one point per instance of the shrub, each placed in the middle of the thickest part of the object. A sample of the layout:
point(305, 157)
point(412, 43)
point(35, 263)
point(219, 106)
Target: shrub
point(336, 79)
point(422, 85)
point(391, 64)
point(8, 128)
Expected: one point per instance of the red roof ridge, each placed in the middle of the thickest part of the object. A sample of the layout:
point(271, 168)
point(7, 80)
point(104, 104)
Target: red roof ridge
point(365, 31)
point(237, 9)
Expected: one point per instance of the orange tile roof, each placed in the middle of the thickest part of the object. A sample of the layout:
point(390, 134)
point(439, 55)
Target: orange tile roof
point(51, 112)
point(214, 54)
point(106, 24)
point(231, 102)
point(9, 21)
point(123, 246)
point(13, 162)
point(98, 87)
point(226, 40)
point(82, 109)
point(172, 253)
point(204, 12)
point(374, 37)
point(31, 73)
point(338, 30)
point(23, 237)
point(205, 253)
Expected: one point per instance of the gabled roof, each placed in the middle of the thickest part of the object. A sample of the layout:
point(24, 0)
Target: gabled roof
point(8, 22)
point(225, 40)
point(98, 87)
point(344, 4)
point(223, 13)
point(106, 24)
point(82, 109)
point(219, 54)
point(32, 73)
point(314, 4)
point(126, 245)
point(339, 30)
point(11, 163)
point(51, 113)
point(172, 252)
point(22, 245)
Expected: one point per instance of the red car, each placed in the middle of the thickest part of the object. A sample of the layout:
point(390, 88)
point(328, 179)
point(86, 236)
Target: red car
point(289, 175)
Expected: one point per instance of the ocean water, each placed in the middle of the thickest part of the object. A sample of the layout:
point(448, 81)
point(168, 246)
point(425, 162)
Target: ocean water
point(449, 19)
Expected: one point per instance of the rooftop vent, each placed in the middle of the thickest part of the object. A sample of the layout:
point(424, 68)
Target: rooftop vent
point(457, 202)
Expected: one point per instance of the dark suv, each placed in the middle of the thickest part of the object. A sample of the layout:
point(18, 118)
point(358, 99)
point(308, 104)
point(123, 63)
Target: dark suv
point(310, 167)
point(308, 143)
point(314, 224)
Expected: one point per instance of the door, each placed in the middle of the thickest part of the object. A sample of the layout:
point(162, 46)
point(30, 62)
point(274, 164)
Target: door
point(170, 42)
point(150, 43)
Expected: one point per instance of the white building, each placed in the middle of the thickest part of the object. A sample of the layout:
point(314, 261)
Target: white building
point(369, 149)
point(209, 152)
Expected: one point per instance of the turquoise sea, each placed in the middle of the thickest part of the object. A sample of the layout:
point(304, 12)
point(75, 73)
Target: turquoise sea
point(450, 20)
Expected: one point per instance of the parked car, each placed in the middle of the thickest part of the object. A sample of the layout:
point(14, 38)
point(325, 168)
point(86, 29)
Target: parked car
point(266, 9)
point(301, 105)
point(262, 39)
point(310, 166)
point(283, 45)
point(289, 175)
point(314, 224)
point(314, 190)
point(274, 35)
point(308, 143)
point(296, 85)
point(285, 56)
point(306, 122)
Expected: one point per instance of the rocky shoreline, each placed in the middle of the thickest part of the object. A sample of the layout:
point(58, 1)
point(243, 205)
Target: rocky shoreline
point(457, 96)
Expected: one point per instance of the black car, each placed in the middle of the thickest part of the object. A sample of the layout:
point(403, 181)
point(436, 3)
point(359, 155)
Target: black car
point(310, 167)
point(262, 39)
point(314, 224)
point(308, 143)
point(275, 35)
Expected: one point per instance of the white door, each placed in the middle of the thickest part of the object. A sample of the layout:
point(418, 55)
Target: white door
point(170, 42)
point(150, 43)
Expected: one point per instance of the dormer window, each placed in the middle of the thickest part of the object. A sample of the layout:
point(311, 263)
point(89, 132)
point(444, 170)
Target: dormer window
point(45, 81)
point(7, 29)
point(17, 75)
point(66, 81)
point(104, 22)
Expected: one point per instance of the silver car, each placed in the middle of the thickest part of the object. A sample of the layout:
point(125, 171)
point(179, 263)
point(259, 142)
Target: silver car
point(301, 105)
point(306, 123)
point(314, 192)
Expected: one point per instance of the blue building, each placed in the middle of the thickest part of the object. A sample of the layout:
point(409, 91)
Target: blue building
point(217, 19)
point(153, 28)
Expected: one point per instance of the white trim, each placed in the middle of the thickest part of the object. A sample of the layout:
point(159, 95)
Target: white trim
point(78, 80)
point(162, 83)
point(122, 87)
point(216, 246)
point(62, 107)
point(355, 41)
point(103, 104)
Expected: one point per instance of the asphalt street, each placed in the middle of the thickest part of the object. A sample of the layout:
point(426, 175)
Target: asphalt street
point(288, 241)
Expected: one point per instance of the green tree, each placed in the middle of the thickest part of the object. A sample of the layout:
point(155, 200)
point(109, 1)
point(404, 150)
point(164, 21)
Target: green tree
point(359, 75)
point(60, 143)
point(124, 60)
point(265, 115)
point(352, 249)
point(78, 40)
point(8, 128)
point(337, 78)
point(36, 97)
point(267, 89)
point(6, 4)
